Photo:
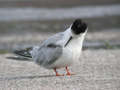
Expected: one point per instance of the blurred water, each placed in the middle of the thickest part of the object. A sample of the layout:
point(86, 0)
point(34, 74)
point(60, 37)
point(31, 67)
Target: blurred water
point(9, 14)
point(27, 26)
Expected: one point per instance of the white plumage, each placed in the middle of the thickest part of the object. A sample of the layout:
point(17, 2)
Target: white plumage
point(61, 50)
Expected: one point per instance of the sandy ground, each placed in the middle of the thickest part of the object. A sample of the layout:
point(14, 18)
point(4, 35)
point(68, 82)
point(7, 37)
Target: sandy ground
point(97, 70)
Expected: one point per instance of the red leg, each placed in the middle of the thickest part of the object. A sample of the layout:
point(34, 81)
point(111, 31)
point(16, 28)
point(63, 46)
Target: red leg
point(57, 73)
point(68, 73)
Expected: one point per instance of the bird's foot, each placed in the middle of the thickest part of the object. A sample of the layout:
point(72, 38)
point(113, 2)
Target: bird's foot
point(59, 74)
point(69, 74)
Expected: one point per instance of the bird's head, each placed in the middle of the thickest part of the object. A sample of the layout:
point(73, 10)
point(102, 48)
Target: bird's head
point(78, 27)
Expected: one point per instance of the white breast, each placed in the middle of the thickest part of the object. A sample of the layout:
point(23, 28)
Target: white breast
point(71, 54)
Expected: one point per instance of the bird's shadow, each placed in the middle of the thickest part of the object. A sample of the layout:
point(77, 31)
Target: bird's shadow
point(26, 77)
point(23, 77)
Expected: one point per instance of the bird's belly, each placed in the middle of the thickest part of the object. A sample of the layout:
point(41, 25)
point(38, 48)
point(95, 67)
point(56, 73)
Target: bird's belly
point(69, 57)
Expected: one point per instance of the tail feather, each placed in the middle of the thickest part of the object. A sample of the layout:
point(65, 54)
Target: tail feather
point(24, 52)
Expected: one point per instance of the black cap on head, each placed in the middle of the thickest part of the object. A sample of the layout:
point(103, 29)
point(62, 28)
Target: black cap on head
point(79, 26)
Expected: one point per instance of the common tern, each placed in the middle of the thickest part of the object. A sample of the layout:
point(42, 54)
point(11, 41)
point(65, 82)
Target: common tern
point(60, 50)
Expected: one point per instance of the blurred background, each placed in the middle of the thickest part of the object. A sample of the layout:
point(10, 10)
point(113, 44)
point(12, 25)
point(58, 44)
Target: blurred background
point(28, 22)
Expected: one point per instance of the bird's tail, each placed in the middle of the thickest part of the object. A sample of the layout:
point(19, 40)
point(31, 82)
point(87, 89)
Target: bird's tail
point(24, 52)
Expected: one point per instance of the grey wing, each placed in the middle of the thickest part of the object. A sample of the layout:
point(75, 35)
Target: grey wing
point(48, 55)
point(49, 51)
point(56, 39)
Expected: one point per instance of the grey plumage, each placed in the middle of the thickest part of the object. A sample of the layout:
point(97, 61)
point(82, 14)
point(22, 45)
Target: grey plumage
point(61, 50)
point(46, 55)
point(24, 52)
point(49, 51)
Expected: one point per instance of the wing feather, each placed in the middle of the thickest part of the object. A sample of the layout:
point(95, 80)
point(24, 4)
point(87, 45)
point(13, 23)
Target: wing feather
point(49, 51)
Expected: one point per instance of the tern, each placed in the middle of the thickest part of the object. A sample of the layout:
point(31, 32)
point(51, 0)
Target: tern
point(60, 50)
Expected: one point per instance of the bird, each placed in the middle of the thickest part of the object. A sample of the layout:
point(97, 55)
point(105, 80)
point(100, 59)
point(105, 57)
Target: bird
point(60, 50)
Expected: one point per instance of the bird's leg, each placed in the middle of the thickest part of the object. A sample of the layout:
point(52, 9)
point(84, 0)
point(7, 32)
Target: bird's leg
point(57, 74)
point(68, 73)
